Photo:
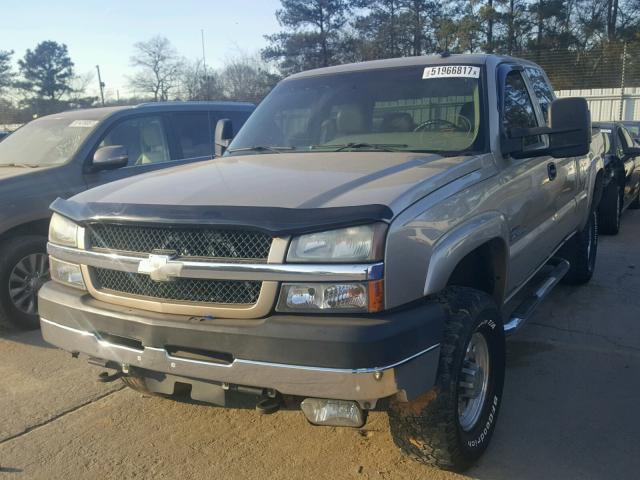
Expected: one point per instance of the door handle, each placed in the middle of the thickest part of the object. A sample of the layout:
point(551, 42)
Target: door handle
point(552, 171)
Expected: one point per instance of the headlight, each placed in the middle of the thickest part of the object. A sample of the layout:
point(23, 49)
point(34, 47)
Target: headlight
point(67, 273)
point(332, 297)
point(63, 231)
point(354, 244)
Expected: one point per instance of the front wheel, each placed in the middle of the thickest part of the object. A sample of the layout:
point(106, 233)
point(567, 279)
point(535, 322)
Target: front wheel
point(24, 267)
point(451, 426)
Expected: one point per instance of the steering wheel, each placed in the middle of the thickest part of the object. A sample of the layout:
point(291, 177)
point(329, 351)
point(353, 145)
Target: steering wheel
point(466, 124)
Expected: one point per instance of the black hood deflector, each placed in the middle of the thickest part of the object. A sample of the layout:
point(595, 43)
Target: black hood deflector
point(272, 220)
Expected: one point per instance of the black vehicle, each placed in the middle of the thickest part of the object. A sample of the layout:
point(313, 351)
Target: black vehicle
point(622, 175)
point(63, 154)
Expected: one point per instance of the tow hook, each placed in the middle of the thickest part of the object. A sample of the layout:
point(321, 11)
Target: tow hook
point(269, 405)
point(106, 377)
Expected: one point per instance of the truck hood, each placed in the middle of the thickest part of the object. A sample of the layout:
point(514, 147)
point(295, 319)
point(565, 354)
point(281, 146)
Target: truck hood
point(287, 180)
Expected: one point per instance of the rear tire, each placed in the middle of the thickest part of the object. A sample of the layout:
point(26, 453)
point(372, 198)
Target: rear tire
point(24, 267)
point(581, 251)
point(635, 205)
point(450, 426)
point(610, 209)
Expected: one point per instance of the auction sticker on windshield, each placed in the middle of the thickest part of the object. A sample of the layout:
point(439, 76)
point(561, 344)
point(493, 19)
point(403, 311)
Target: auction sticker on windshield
point(83, 123)
point(451, 71)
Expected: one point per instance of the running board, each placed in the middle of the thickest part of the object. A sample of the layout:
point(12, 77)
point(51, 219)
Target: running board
point(523, 311)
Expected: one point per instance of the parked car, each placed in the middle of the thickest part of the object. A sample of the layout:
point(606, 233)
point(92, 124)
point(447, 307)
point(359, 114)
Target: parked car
point(622, 175)
point(3, 135)
point(63, 154)
point(633, 127)
point(358, 244)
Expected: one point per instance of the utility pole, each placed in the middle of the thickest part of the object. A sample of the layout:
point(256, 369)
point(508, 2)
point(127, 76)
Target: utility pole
point(624, 64)
point(101, 83)
point(204, 66)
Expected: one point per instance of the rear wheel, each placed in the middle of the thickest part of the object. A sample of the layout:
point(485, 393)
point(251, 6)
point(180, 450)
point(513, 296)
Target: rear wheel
point(635, 205)
point(24, 268)
point(451, 426)
point(610, 209)
point(581, 251)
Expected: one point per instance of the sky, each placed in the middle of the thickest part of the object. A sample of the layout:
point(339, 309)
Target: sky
point(103, 32)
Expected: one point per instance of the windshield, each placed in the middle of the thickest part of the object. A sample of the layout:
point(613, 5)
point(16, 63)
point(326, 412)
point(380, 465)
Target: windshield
point(404, 109)
point(45, 142)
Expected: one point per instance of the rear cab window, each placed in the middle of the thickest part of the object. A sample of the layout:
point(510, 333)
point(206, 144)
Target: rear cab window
point(541, 89)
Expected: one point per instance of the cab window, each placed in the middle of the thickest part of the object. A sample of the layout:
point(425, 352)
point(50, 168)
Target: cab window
point(541, 89)
point(145, 139)
point(518, 107)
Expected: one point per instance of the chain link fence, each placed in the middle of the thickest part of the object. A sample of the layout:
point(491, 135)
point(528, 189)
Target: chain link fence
point(607, 76)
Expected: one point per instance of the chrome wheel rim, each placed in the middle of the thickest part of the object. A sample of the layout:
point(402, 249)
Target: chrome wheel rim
point(25, 280)
point(474, 382)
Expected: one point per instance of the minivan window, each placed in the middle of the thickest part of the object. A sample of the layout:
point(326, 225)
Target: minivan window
point(395, 109)
point(46, 141)
point(144, 138)
point(194, 134)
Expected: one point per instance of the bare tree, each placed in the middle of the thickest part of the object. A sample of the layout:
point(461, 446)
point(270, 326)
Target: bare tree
point(247, 78)
point(196, 83)
point(159, 66)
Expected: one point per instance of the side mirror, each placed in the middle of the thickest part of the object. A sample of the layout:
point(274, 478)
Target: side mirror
point(110, 158)
point(223, 136)
point(570, 124)
point(569, 131)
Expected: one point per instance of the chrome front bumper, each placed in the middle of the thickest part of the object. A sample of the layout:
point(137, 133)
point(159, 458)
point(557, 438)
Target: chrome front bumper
point(406, 377)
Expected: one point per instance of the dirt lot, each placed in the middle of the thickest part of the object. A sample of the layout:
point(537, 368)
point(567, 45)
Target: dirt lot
point(570, 407)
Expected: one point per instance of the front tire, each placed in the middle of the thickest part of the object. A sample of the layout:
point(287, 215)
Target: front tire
point(24, 267)
point(450, 427)
point(581, 251)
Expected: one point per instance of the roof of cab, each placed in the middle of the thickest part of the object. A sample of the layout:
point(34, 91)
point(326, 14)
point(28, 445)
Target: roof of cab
point(100, 113)
point(441, 59)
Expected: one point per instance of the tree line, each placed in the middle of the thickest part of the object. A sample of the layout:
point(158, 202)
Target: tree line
point(579, 42)
point(318, 33)
point(46, 80)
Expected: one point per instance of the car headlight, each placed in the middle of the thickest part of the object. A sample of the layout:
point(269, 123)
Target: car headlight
point(66, 273)
point(363, 243)
point(63, 231)
point(332, 297)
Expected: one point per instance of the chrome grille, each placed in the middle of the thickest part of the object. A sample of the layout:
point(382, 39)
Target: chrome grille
point(238, 292)
point(232, 245)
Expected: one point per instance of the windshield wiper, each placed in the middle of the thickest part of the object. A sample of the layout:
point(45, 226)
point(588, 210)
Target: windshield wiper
point(23, 165)
point(384, 147)
point(261, 148)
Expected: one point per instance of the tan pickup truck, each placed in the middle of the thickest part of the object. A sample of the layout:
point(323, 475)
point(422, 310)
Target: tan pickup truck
point(360, 245)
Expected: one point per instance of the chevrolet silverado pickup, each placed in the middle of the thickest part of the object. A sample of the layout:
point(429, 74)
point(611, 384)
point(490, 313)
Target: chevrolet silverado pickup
point(364, 243)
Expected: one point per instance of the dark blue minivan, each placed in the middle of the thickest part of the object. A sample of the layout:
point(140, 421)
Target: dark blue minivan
point(63, 154)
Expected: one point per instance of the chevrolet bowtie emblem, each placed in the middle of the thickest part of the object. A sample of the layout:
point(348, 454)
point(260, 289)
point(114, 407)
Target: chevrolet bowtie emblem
point(161, 268)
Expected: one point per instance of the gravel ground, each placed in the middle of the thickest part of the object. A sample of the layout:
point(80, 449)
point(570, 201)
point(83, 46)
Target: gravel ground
point(570, 407)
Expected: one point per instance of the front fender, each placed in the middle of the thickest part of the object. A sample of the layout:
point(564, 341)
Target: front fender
point(452, 247)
